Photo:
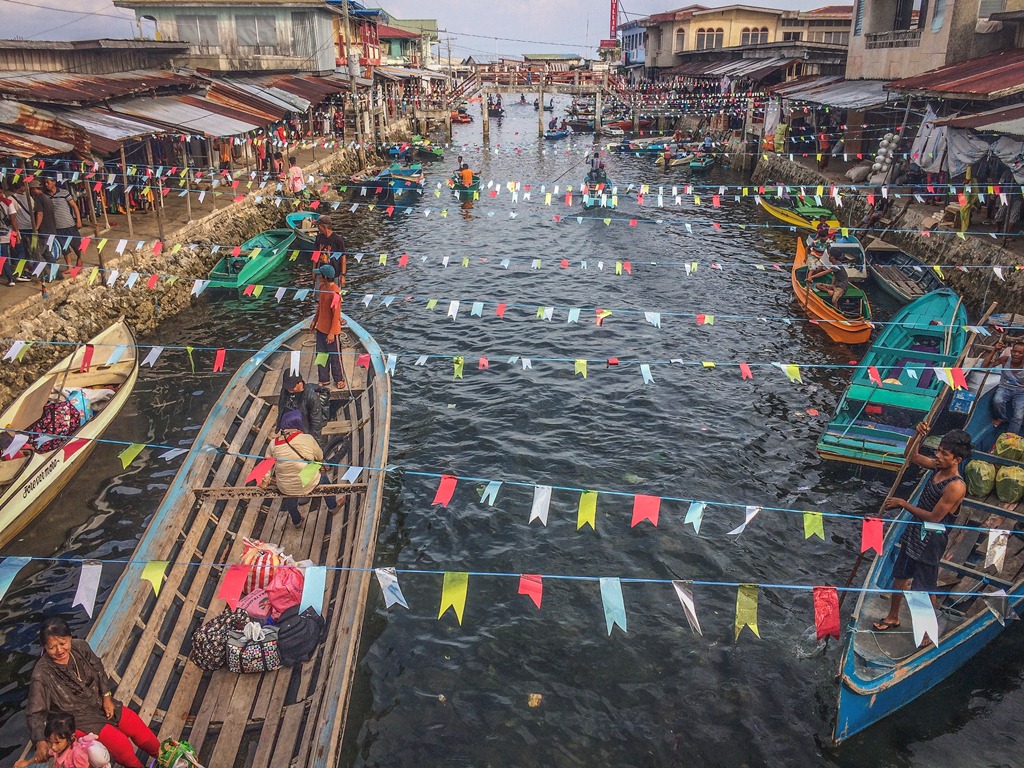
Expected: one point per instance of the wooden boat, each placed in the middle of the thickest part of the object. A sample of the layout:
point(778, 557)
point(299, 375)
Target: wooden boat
point(258, 256)
point(392, 183)
point(880, 672)
point(495, 112)
point(555, 135)
point(850, 323)
point(581, 126)
point(303, 224)
point(31, 479)
point(847, 250)
point(294, 716)
point(875, 419)
point(797, 214)
point(701, 162)
point(427, 151)
point(899, 274)
point(547, 107)
point(464, 193)
point(679, 160)
point(461, 117)
point(626, 124)
point(599, 194)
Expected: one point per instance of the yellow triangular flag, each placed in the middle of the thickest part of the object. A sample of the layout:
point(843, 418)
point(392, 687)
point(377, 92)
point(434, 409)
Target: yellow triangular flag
point(431, 303)
point(294, 256)
point(383, 260)
point(938, 271)
point(709, 319)
point(540, 311)
point(793, 372)
point(256, 291)
point(618, 267)
point(459, 362)
point(310, 471)
point(696, 199)
point(708, 364)
point(547, 199)
point(814, 525)
point(581, 368)
point(453, 593)
point(154, 574)
point(845, 232)
point(321, 358)
point(93, 275)
point(465, 261)
point(746, 609)
point(127, 456)
point(255, 252)
point(607, 222)
point(588, 510)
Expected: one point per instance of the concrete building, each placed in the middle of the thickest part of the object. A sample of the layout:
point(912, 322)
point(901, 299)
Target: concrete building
point(426, 34)
point(634, 52)
point(247, 35)
point(365, 43)
point(902, 38)
point(399, 48)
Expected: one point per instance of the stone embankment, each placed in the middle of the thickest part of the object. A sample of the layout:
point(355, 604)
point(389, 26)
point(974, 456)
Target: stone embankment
point(979, 287)
point(74, 311)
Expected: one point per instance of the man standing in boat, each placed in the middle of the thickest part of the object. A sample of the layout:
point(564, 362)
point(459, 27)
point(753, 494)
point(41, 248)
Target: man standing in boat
point(918, 560)
point(1008, 399)
point(327, 326)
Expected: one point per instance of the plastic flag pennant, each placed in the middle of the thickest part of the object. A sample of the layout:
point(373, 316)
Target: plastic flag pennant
point(445, 490)
point(871, 535)
point(458, 364)
point(128, 455)
point(88, 586)
point(541, 503)
point(695, 514)
point(389, 586)
point(580, 368)
point(995, 552)
point(531, 585)
point(257, 473)
point(313, 587)
point(153, 572)
point(814, 525)
point(922, 616)
point(233, 583)
point(309, 472)
point(614, 609)
point(490, 493)
point(587, 513)
point(826, 612)
point(998, 604)
point(645, 508)
point(453, 593)
point(684, 591)
point(751, 513)
point(645, 371)
point(746, 610)
point(654, 318)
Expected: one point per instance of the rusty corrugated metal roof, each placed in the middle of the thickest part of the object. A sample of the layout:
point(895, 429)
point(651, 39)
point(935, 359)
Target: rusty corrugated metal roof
point(1003, 120)
point(17, 144)
point(107, 131)
point(73, 89)
point(194, 116)
point(982, 79)
point(311, 88)
point(22, 118)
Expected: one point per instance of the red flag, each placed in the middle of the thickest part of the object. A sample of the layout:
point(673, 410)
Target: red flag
point(363, 361)
point(874, 375)
point(745, 371)
point(700, 318)
point(445, 489)
point(483, 365)
point(84, 243)
point(316, 255)
point(158, 248)
point(645, 508)
point(500, 310)
point(74, 271)
point(871, 199)
point(627, 267)
point(632, 222)
point(71, 448)
point(151, 283)
point(613, 361)
point(403, 260)
point(530, 584)
point(568, 199)
point(564, 264)
point(959, 380)
point(218, 360)
point(716, 201)
point(86, 358)
point(557, 218)
point(236, 250)
point(233, 583)
point(248, 290)
point(314, 205)
point(389, 210)
point(871, 535)
point(826, 612)
point(259, 471)
point(640, 199)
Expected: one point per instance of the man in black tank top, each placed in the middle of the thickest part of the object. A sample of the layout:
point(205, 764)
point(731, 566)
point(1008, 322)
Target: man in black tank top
point(918, 561)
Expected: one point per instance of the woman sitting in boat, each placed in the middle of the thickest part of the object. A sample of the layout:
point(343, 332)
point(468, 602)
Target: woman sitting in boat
point(918, 561)
point(293, 450)
point(70, 678)
point(840, 280)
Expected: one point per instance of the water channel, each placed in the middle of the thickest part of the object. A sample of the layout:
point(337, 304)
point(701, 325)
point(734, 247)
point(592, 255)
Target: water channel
point(433, 692)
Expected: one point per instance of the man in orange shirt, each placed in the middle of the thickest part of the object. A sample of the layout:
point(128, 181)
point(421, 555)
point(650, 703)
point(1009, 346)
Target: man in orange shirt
point(327, 324)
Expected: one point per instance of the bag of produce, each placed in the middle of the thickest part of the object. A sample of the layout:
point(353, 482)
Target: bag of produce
point(981, 478)
point(1009, 446)
point(1010, 484)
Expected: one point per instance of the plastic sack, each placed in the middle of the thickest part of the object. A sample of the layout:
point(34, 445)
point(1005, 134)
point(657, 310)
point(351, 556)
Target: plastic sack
point(1009, 446)
point(981, 478)
point(177, 754)
point(264, 559)
point(285, 590)
point(1010, 484)
point(257, 605)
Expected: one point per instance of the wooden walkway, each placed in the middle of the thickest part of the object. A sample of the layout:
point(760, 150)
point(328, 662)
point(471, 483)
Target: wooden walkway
point(294, 716)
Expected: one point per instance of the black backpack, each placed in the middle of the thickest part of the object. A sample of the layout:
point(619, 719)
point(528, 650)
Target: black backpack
point(299, 634)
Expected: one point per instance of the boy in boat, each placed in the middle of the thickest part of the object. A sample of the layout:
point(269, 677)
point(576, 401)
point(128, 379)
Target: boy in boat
point(840, 280)
point(823, 232)
point(1008, 399)
point(327, 326)
point(332, 248)
point(918, 561)
point(466, 175)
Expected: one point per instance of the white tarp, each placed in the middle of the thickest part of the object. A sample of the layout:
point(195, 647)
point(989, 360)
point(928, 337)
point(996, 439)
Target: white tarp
point(940, 148)
point(929, 146)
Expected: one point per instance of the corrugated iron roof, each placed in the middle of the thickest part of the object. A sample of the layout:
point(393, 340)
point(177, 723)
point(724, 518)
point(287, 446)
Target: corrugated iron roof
point(310, 89)
point(1003, 120)
point(982, 79)
point(17, 144)
point(385, 32)
point(69, 88)
point(106, 130)
point(836, 92)
point(406, 72)
point(177, 115)
point(33, 121)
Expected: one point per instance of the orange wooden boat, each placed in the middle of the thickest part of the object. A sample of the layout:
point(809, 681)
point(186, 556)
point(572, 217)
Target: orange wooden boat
point(850, 322)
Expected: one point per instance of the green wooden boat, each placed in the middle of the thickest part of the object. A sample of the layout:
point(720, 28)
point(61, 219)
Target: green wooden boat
point(894, 387)
point(464, 193)
point(255, 259)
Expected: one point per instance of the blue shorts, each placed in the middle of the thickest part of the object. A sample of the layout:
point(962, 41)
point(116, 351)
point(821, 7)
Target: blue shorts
point(925, 577)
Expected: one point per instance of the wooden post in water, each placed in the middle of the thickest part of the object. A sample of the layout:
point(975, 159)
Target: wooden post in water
point(598, 108)
point(540, 101)
point(159, 189)
point(124, 180)
point(486, 115)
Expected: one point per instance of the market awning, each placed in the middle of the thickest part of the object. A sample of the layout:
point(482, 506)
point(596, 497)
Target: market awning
point(15, 144)
point(71, 88)
point(837, 92)
point(106, 130)
point(176, 113)
point(754, 69)
point(1005, 120)
point(983, 79)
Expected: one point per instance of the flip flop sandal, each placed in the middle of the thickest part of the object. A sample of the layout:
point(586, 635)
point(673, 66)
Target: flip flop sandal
point(885, 626)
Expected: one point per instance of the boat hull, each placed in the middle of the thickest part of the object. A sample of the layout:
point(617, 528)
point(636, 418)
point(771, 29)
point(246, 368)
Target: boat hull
point(297, 224)
point(838, 326)
point(791, 217)
point(900, 275)
point(273, 245)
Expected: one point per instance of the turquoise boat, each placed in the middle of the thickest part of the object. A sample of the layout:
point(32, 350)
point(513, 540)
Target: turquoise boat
point(255, 259)
point(599, 194)
point(880, 672)
point(464, 193)
point(303, 224)
point(702, 162)
point(875, 419)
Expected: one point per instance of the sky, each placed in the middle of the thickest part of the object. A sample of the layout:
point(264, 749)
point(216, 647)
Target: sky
point(481, 28)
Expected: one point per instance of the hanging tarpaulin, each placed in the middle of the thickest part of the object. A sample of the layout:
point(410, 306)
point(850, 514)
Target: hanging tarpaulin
point(929, 148)
point(772, 116)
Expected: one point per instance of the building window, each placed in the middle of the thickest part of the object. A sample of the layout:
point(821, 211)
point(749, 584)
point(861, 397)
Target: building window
point(680, 40)
point(792, 37)
point(792, 22)
point(939, 16)
point(198, 30)
point(858, 18)
point(257, 31)
point(762, 36)
point(836, 38)
point(745, 36)
point(303, 43)
point(754, 36)
point(710, 38)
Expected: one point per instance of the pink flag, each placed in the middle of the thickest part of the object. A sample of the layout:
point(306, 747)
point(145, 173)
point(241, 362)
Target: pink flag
point(874, 375)
point(233, 583)
point(445, 489)
point(236, 250)
point(71, 448)
point(745, 371)
point(632, 222)
point(403, 260)
point(500, 311)
point(158, 248)
point(627, 267)
point(248, 290)
point(483, 365)
point(390, 210)
point(700, 318)
point(564, 264)
point(86, 358)
point(826, 612)
point(645, 508)
point(218, 360)
point(363, 361)
point(259, 471)
point(716, 201)
point(871, 535)
point(959, 380)
point(85, 243)
point(530, 584)
point(151, 283)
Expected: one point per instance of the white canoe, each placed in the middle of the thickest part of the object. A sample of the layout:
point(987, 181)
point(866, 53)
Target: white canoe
point(31, 480)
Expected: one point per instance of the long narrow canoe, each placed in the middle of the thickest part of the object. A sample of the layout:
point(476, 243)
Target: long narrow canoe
point(294, 716)
point(32, 479)
point(303, 224)
point(899, 274)
point(682, 159)
point(800, 215)
point(600, 195)
point(257, 257)
point(894, 387)
point(880, 672)
point(849, 323)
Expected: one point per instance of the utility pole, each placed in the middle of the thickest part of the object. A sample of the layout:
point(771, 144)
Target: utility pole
point(448, 93)
point(360, 149)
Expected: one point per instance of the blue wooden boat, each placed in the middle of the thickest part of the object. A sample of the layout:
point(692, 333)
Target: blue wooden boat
point(702, 162)
point(902, 276)
point(303, 224)
point(554, 135)
point(256, 257)
point(144, 638)
point(599, 193)
point(874, 421)
point(880, 672)
point(395, 182)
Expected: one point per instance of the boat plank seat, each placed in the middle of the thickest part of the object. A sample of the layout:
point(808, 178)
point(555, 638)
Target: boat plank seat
point(900, 279)
point(979, 576)
point(255, 492)
point(931, 357)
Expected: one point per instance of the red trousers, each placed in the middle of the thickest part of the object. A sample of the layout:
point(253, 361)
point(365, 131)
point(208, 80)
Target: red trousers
point(118, 739)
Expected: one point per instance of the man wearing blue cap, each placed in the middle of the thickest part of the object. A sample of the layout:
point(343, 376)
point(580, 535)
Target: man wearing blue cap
point(327, 324)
